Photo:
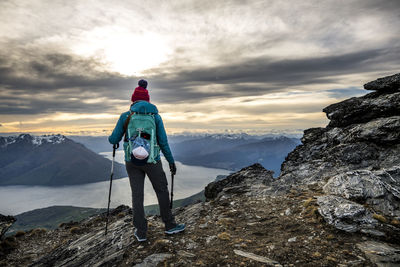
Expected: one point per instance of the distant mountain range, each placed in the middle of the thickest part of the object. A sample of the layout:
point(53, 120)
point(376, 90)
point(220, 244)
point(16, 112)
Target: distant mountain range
point(225, 151)
point(235, 153)
point(52, 160)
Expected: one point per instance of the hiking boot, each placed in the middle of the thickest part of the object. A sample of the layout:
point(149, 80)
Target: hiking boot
point(178, 228)
point(139, 237)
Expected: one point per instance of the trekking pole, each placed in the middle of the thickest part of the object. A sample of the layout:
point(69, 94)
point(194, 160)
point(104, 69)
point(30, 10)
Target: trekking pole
point(115, 147)
point(172, 190)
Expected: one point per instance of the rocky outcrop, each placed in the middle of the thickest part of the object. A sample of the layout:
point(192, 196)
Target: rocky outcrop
point(355, 162)
point(385, 84)
point(239, 181)
point(5, 223)
point(363, 109)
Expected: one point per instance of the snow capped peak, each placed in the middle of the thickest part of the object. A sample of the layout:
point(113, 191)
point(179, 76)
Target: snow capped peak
point(33, 139)
point(53, 139)
point(232, 136)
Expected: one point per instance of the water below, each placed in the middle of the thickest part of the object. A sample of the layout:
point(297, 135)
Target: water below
point(189, 180)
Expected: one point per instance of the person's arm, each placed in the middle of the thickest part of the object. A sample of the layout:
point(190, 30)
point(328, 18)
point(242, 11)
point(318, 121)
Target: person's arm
point(118, 131)
point(163, 140)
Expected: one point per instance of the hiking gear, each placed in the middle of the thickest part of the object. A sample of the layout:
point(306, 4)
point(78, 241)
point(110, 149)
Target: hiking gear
point(162, 139)
point(142, 83)
point(177, 229)
point(115, 147)
point(158, 180)
point(140, 151)
point(136, 124)
point(172, 168)
point(140, 93)
point(139, 237)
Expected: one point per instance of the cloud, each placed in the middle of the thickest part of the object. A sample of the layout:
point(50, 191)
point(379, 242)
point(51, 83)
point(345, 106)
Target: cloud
point(56, 61)
point(59, 82)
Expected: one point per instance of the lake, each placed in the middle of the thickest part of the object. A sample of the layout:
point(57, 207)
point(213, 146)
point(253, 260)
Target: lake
point(189, 180)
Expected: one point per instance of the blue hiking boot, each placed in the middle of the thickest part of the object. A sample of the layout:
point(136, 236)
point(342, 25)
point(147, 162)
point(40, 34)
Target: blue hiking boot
point(138, 237)
point(177, 229)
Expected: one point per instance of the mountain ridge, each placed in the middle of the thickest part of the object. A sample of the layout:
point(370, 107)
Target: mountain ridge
point(53, 160)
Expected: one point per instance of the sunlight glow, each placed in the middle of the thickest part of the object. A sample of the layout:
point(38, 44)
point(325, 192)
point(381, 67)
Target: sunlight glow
point(123, 51)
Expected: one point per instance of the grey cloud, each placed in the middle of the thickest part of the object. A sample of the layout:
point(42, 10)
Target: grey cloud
point(271, 76)
point(57, 71)
point(63, 77)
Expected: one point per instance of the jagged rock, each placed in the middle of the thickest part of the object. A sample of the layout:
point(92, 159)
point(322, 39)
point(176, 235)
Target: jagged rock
point(245, 176)
point(5, 223)
point(93, 248)
point(382, 254)
point(344, 214)
point(388, 83)
point(355, 160)
point(363, 109)
point(330, 151)
point(154, 259)
point(355, 185)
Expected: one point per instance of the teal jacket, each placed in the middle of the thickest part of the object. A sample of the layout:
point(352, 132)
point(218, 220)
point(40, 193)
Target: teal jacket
point(162, 140)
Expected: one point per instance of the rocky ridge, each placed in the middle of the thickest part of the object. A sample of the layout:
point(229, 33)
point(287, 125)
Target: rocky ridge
point(355, 162)
point(336, 203)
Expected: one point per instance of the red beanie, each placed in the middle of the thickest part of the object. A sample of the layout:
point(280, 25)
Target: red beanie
point(140, 93)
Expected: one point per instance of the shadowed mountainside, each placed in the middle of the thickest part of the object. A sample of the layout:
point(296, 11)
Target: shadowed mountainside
point(51, 161)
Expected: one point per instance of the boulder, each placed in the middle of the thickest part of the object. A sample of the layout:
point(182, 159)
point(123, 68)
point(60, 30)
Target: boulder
point(385, 84)
point(379, 189)
point(344, 214)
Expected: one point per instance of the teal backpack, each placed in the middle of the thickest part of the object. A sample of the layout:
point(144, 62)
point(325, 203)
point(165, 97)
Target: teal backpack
point(140, 130)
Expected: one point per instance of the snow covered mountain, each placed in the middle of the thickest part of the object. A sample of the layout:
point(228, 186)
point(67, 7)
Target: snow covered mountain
point(51, 160)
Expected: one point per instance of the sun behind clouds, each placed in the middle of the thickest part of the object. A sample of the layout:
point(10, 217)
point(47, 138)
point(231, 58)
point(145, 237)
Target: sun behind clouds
point(123, 51)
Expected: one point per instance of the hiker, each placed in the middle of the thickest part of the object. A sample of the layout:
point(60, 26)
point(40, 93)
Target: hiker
point(140, 161)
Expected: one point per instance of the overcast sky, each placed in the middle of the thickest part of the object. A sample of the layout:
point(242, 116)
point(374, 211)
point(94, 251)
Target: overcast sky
point(252, 66)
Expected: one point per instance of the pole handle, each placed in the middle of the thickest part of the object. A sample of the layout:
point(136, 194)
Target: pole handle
point(172, 191)
point(115, 147)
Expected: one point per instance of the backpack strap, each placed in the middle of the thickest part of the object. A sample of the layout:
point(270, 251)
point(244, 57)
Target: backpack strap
point(126, 125)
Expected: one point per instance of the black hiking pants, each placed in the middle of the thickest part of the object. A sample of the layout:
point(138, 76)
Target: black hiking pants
point(158, 179)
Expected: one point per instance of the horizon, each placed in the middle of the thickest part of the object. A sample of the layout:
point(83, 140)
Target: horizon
point(257, 67)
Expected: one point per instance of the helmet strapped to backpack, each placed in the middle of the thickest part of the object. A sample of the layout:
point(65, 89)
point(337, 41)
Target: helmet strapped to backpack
point(140, 133)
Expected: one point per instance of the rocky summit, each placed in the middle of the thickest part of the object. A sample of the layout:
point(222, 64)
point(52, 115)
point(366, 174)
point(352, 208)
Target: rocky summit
point(336, 203)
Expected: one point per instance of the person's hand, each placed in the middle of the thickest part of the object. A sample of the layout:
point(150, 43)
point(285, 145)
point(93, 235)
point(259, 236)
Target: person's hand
point(172, 168)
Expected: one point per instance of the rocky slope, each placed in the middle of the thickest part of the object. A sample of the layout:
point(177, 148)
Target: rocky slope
point(336, 203)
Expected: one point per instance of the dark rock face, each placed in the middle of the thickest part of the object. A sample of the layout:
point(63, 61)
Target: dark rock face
point(5, 223)
point(389, 83)
point(239, 180)
point(363, 109)
point(354, 161)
